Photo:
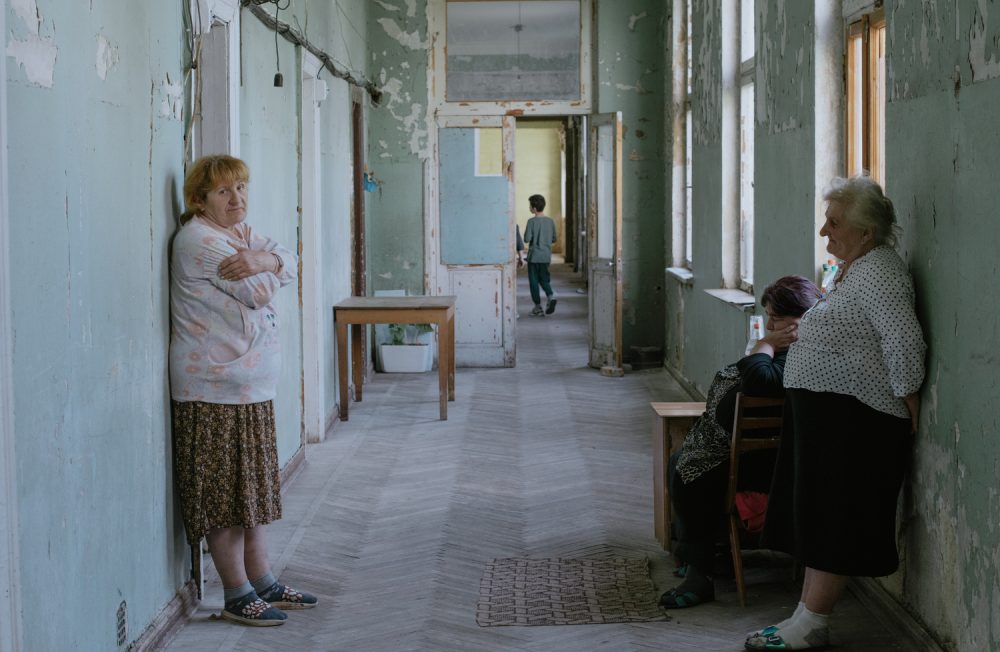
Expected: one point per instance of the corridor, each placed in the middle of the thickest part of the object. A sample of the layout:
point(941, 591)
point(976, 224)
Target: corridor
point(392, 519)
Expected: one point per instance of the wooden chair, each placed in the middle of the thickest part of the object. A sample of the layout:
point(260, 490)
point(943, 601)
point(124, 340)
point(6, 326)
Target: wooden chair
point(751, 432)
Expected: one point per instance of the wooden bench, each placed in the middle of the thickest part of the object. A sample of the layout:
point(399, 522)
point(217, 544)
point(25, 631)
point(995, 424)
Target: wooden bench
point(673, 420)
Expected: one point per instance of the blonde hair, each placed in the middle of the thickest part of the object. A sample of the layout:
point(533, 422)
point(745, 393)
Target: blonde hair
point(865, 206)
point(207, 173)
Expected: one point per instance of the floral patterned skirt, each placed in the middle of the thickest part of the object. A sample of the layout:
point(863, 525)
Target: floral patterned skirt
point(226, 463)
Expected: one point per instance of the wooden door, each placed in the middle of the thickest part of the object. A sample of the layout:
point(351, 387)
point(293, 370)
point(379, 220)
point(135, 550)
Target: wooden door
point(604, 242)
point(476, 240)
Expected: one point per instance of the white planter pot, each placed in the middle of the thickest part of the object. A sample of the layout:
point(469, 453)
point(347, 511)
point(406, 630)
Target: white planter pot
point(406, 358)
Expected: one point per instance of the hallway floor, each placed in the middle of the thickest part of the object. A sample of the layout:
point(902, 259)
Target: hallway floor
point(391, 520)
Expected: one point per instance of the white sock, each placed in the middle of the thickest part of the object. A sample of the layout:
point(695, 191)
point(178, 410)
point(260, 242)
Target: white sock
point(784, 623)
point(795, 614)
point(806, 630)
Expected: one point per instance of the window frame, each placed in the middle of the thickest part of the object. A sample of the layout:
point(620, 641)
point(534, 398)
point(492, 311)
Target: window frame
point(864, 75)
point(681, 123)
point(747, 78)
point(437, 16)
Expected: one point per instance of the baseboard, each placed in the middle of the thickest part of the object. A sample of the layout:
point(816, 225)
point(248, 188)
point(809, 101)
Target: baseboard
point(880, 602)
point(177, 612)
point(685, 384)
point(166, 624)
point(293, 467)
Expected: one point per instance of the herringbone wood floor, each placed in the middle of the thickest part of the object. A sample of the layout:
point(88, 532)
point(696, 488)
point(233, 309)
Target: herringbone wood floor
point(394, 516)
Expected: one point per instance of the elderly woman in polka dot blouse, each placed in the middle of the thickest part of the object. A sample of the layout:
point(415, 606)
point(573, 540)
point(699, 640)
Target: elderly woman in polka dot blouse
point(851, 409)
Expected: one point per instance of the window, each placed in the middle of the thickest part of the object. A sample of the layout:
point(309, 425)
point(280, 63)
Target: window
point(681, 161)
point(688, 148)
point(502, 50)
point(865, 85)
point(747, 51)
point(489, 152)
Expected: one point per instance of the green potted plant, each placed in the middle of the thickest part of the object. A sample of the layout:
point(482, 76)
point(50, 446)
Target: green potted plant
point(408, 349)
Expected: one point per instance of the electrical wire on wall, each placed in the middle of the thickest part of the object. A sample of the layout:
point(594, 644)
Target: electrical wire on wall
point(298, 38)
point(195, 19)
point(279, 79)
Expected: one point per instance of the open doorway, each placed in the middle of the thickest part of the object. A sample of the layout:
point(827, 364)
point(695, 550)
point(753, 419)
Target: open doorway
point(547, 164)
point(551, 160)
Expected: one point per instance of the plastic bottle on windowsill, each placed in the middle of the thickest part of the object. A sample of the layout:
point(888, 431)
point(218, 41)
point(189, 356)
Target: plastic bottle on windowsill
point(829, 275)
point(756, 333)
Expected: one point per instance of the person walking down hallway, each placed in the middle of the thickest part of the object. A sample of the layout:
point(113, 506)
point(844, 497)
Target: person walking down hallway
point(540, 235)
point(224, 365)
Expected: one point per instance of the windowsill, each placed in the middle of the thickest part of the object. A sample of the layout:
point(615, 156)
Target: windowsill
point(735, 298)
point(682, 275)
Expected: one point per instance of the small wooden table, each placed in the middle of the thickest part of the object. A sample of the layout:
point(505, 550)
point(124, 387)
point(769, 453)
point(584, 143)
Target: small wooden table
point(358, 311)
point(673, 420)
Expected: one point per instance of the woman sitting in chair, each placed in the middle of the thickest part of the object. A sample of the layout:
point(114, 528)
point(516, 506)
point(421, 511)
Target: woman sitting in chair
point(699, 473)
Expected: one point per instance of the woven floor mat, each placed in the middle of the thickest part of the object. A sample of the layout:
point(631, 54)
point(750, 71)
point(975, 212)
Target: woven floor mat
point(566, 592)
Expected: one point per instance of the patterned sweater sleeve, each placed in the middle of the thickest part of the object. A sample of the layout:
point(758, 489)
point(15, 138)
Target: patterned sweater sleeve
point(254, 291)
point(888, 303)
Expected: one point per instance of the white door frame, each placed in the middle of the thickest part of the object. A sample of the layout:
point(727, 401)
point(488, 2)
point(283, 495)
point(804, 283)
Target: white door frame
point(10, 562)
point(220, 133)
point(313, 312)
point(212, 136)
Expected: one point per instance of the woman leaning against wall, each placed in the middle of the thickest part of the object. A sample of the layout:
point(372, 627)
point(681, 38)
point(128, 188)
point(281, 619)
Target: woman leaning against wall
point(224, 364)
point(851, 411)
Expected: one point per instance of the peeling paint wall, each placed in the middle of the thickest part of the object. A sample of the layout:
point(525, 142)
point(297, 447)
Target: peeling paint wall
point(95, 178)
point(942, 71)
point(701, 331)
point(629, 43)
point(704, 332)
point(398, 145)
point(269, 143)
point(630, 78)
point(941, 167)
point(97, 100)
point(784, 183)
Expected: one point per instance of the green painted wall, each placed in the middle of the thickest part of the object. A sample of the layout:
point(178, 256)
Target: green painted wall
point(784, 184)
point(96, 130)
point(941, 171)
point(942, 70)
point(703, 333)
point(96, 168)
point(628, 72)
point(630, 38)
point(269, 139)
point(397, 145)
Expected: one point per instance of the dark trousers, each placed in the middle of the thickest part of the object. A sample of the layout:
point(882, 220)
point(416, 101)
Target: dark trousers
point(699, 517)
point(538, 274)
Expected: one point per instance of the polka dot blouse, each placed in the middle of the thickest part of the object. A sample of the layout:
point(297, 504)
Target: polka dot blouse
point(863, 338)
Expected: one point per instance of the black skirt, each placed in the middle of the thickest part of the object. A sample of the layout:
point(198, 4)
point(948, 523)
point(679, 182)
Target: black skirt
point(840, 468)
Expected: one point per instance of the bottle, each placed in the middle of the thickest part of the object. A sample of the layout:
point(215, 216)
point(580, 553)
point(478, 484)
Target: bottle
point(829, 275)
point(756, 333)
